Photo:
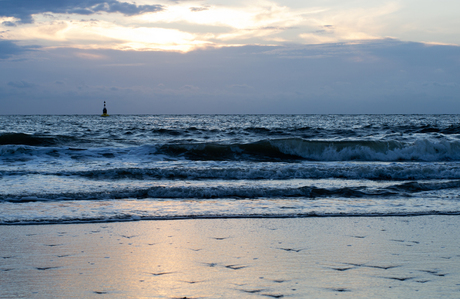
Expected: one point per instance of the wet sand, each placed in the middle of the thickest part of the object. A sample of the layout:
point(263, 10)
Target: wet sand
point(350, 257)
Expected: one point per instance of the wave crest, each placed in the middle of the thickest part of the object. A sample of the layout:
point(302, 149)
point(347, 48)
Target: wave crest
point(299, 149)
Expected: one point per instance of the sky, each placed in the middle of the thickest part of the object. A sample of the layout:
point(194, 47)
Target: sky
point(282, 56)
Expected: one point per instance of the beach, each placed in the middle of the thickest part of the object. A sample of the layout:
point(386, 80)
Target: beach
point(322, 257)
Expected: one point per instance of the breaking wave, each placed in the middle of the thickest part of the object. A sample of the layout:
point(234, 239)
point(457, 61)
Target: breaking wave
point(406, 189)
point(396, 171)
point(291, 149)
point(73, 168)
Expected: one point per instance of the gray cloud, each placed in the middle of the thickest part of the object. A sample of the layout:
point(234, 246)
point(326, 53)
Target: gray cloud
point(21, 84)
point(240, 86)
point(9, 24)
point(9, 48)
point(24, 9)
point(385, 76)
point(197, 9)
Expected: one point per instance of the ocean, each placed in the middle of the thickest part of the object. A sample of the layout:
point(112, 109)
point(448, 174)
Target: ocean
point(87, 168)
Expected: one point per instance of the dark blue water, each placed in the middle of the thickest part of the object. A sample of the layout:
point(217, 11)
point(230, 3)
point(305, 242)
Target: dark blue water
point(60, 169)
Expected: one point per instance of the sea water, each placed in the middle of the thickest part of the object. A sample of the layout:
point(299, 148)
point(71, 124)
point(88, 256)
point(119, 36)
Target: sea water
point(87, 168)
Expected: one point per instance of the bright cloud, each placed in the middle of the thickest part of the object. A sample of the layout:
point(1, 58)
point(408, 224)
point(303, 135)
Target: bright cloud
point(252, 16)
point(185, 26)
point(105, 35)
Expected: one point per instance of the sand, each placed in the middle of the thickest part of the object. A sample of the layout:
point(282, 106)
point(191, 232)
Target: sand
point(350, 257)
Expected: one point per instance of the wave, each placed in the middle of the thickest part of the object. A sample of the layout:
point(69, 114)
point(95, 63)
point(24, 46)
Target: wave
point(361, 130)
point(39, 140)
point(126, 217)
point(303, 131)
point(452, 129)
point(420, 150)
point(163, 192)
point(268, 171)
point(407, 189)
point(275, 150)
point(292, 149)
point(91, 214)
point(26, 139)
point(400, 171)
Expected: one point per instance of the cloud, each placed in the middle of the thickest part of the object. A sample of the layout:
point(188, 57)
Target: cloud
point(188, 25)
point(21, 84)
point(9, 48)
point(89, 56)
point(196, 9)
point(442, 84)
point(107, 35)
point(390, 76)
point(240, 86)
point(189, 87)
point(23, 10)
point(9, 24)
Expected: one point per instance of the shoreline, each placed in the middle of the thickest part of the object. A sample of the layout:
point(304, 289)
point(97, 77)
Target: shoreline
point(228, 217)
point(313, 257)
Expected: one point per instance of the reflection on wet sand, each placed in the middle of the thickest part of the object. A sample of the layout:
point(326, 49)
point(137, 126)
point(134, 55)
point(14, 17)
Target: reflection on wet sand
point(234, 258)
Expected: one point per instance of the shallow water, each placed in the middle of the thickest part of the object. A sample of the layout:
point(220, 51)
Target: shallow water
point(61, 169)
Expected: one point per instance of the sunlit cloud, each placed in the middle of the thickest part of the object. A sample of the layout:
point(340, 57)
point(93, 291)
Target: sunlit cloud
point(315, 38)
point(8, 22)
point(270, 22)
point(90, 56)
point(105, 35)
point(262, 20)
point(145, 38)
point(438, 44)
point(251, 16)
point(188, 25)
point(348, 25)
point(26, 11)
